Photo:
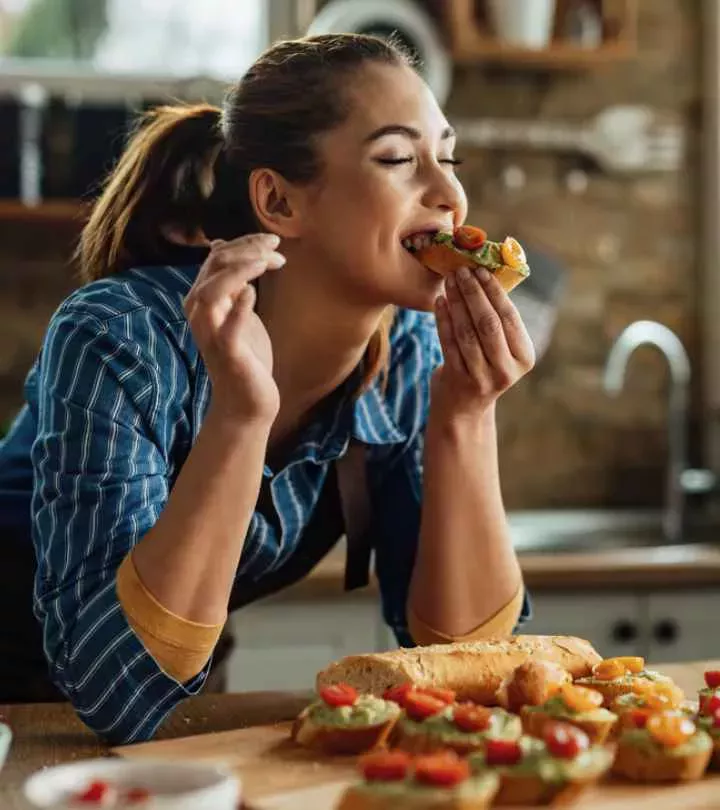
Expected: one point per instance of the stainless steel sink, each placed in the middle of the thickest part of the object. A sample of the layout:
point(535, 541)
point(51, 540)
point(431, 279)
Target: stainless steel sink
point(587, 531)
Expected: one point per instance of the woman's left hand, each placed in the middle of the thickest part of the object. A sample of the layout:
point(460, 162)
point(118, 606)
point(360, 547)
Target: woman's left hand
point(485, 344)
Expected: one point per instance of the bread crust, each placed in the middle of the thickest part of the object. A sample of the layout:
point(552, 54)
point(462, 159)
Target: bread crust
point(535, 721)
point(531, 684)
point(339, 740)
point(355, 798)
point(444, 260)
point(715, 759)
point(633, 763)
point(533, 791)
point(475, 670)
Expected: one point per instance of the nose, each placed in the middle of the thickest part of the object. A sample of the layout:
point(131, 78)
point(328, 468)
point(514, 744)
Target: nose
point(443, 192)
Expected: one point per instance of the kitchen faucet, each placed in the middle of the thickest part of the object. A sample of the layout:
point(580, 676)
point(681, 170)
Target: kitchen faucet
point(650, 333)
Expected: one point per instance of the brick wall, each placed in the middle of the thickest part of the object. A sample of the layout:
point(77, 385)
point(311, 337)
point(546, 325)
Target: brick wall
point(629, 246)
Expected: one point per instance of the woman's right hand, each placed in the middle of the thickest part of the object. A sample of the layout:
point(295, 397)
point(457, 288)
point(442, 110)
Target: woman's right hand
point(232, 339)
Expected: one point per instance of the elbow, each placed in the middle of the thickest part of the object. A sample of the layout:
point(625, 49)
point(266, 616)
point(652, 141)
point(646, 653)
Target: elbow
point(502, 623)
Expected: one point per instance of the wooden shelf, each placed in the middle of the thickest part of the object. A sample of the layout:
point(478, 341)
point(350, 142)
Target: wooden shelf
point(48, 211)
point(472, 42)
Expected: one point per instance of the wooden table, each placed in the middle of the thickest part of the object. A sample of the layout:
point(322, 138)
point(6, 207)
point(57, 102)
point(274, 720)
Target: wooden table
point(50, 734)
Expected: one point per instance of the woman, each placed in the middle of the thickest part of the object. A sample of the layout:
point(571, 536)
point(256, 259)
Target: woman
point(253, 312)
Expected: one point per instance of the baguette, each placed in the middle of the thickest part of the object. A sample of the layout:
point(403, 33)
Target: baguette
point(531, 684)
point(474, 670)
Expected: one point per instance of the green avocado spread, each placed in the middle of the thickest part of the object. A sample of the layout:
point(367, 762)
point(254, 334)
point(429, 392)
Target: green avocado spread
point(557, 707)
point(367, 711)
point(503, 726)
point(642, 739)
point(489, 254)
point(627, 678)
point(537, 761)
point(479, 785)
point(707, 724)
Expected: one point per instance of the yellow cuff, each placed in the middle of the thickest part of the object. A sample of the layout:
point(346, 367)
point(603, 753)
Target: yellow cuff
point(180, 647)
point(501, 623)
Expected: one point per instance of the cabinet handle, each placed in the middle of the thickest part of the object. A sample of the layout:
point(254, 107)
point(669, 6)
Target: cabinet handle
point(666, 631)
point(624, 631)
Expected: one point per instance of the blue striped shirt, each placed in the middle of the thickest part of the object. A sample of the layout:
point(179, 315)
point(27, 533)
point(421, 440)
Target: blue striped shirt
point(115, 402)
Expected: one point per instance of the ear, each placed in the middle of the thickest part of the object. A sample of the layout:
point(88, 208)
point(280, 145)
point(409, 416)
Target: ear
point(276, 203)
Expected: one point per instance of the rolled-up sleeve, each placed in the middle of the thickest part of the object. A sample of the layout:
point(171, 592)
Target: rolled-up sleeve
point(108, 394)
point(397, 481)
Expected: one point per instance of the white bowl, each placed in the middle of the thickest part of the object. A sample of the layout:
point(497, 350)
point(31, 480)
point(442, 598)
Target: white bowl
point(177, 785)
point(5, 739)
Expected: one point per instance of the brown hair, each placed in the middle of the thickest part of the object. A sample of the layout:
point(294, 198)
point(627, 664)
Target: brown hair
point(188, 166)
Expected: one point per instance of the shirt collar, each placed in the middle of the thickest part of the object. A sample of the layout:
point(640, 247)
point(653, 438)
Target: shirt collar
point(366, 419)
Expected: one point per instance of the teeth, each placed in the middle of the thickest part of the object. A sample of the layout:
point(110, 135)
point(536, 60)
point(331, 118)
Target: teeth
point(417, 241)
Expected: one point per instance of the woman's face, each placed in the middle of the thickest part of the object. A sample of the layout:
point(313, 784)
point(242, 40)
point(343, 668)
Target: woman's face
point(387, 174)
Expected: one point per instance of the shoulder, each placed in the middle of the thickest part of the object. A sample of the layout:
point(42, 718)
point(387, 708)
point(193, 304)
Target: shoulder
point(152, 294)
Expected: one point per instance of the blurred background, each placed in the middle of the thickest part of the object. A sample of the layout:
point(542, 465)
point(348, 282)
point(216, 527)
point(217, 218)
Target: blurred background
point(589, 130)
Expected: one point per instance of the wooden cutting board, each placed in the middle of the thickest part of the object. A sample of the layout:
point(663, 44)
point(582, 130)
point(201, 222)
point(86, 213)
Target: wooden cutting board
point(277, 775)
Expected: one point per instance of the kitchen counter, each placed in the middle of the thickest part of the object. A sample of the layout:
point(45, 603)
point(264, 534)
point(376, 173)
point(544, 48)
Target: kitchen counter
point(51, 734)
point(656, 567)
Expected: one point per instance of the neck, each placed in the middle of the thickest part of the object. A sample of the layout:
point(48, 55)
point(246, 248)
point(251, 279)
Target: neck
point(317, 339)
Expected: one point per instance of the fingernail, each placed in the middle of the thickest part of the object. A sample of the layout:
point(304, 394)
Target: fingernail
point(273, 240)
point(216, 243)
point(450, 281)
point(483, 274)
point(464, 274)
point(278, 260)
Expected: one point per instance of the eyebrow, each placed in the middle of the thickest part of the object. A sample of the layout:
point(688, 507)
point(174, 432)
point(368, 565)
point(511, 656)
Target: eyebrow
point(408, 132)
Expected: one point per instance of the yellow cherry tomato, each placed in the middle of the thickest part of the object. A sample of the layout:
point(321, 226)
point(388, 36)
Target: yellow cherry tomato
point(670, 729)
point(580, 698)
point(608, 670)
point(512, 253)
point(632, 663)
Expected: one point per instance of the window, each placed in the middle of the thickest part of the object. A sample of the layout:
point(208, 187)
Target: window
point(214, 38)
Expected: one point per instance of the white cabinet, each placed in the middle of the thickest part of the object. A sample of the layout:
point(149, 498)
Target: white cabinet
point(281, 644)
point(609, 620)
point(683, 625)
point(661, 626)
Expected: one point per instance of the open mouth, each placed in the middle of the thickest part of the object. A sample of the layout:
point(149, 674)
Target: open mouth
point(417, 241)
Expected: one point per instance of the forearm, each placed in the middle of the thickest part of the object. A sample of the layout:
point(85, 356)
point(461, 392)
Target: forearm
point(188, 560)
point(466, 569)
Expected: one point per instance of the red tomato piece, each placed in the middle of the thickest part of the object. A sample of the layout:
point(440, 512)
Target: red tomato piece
point(339, 694)
point(468, 237)
point(441, 770)
point(708, 704)
point(712, 678)
point(419, 706)
point(716, 718)
point(565, 741)
point(503, 752)
point(397, 694)
point(94, 793)
point(447, 696)
point(385, 766)
point(639, 717)
point(472, 718)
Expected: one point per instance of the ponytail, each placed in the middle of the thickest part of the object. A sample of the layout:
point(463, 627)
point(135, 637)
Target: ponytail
point(165, 177)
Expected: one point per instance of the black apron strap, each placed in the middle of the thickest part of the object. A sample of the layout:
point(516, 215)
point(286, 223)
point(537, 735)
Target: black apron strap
point(356, 509)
